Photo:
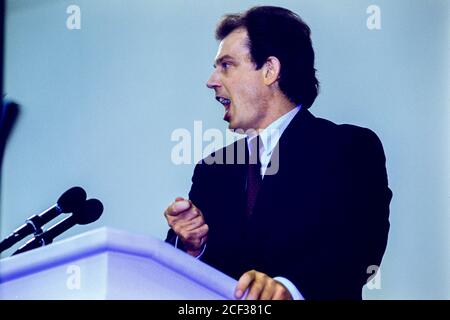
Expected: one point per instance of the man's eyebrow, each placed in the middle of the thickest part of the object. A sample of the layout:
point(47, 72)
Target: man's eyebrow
point(221, 59)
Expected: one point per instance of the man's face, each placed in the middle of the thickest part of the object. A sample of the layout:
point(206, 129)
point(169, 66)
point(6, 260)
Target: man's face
point(238, 86)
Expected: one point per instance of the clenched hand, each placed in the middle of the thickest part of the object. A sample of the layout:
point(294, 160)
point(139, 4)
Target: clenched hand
point(189, 224)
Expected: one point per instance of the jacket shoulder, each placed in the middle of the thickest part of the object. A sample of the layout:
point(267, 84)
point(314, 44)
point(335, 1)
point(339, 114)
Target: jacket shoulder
point(346, 132)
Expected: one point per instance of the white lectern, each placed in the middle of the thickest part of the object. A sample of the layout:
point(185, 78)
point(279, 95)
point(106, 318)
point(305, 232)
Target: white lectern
point(111, 264)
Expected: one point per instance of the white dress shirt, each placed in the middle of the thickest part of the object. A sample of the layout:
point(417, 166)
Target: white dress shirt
point(269, 138)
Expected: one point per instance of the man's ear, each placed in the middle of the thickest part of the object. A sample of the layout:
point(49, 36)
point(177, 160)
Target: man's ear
point(271, 70)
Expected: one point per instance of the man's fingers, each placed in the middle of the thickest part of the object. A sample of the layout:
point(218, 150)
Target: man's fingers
point(256, 288)
point(184, 218)
point(196, 238)
point(202, 231)
point(278, 295)
point(244, 281)
point(268, 290)
point(188, 223)
point(190, 229)
point(281, 293)
point(195, 223)
point(261, 287)
point(178, 207)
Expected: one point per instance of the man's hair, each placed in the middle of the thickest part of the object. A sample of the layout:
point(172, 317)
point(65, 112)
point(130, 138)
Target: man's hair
point(279, 32)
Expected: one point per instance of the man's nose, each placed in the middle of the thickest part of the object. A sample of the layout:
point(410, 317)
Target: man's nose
point(213, 81)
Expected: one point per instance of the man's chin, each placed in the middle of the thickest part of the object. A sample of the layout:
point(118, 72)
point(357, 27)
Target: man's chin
point(234, 127)
point(231, 126)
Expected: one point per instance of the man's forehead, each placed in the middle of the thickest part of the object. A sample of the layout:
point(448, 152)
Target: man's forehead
point(233, 45)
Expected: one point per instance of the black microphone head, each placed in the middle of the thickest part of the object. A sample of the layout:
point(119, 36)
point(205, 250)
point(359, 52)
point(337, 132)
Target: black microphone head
point(72, 199)
point(89, 212)
point(9, 110)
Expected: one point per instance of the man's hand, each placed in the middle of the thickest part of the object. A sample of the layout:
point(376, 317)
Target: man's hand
point(261, 287)
point(188, 223)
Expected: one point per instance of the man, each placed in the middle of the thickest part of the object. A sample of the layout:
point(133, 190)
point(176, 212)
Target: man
point(312, 227)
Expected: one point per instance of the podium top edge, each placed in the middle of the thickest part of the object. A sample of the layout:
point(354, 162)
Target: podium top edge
point(106, 239)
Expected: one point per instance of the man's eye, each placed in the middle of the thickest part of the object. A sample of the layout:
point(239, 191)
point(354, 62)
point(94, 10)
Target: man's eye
point(225, 65)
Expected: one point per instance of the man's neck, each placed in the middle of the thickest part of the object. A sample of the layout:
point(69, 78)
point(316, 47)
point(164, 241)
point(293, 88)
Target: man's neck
point(276, 109)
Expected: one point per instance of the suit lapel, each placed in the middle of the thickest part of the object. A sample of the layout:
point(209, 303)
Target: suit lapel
point(293, 142)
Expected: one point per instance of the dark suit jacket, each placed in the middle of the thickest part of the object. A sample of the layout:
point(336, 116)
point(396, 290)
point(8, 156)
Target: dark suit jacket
point(320, 222)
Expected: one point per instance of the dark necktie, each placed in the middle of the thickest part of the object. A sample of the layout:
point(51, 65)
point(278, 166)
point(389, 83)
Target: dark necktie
point(254, 178)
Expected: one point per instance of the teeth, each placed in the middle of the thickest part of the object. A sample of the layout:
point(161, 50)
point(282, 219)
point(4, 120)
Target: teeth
point(224, 101)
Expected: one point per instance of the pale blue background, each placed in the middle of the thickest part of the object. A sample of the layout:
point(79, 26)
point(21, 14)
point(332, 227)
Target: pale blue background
point(99, 106)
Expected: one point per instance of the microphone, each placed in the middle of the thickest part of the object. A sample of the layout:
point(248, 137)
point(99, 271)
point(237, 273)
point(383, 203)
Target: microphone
point(67, 202)
point(8, 115)
point(89, 212)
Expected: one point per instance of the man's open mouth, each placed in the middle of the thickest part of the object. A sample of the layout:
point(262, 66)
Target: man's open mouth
point(226, 103)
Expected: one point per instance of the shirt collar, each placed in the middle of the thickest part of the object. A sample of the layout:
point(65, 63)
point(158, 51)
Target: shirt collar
point(272, 134)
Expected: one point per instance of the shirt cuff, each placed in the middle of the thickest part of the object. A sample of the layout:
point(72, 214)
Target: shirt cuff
point(197, 257)
point(296, 295)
